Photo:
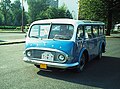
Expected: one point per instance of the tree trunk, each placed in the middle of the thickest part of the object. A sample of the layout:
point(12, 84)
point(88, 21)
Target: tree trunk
point(109, 24)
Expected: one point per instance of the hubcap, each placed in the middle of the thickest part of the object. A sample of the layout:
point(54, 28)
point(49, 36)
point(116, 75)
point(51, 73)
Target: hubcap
point(82, 63)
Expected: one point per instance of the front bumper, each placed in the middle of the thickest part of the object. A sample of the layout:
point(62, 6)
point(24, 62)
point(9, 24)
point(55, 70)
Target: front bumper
point(50, 64)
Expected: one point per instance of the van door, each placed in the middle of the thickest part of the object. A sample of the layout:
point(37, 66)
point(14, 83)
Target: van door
point(89, 41)
point(79, 38)
point(95, 33)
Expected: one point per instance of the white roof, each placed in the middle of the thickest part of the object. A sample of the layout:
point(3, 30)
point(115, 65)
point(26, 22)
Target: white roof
point(67, 21)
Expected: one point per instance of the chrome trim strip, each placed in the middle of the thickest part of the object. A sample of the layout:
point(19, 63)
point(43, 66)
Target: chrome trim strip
point(49, 64)
point(48, 49)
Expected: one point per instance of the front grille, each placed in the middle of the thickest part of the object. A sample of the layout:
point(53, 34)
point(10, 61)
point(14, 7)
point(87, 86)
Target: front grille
point(46, 55)
point(38, 54)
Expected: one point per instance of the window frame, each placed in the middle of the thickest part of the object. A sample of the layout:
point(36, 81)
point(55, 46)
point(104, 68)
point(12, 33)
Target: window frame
point(92, 33)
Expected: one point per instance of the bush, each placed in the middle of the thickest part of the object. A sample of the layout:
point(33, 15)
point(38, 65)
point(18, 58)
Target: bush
point(9, 27)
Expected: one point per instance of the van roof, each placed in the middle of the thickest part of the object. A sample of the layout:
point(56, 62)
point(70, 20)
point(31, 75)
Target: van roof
point(67, 21)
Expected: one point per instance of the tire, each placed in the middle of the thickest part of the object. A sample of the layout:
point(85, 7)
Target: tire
point(82, 64)
point(38, 66)
point(100, 55)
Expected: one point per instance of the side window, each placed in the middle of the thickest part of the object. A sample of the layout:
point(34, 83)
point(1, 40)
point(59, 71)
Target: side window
point(101, 30)
point(88, 32)
point(95, 31)
point(80, 32)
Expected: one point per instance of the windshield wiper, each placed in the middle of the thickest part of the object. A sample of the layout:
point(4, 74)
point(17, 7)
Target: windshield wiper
point(34, 36)
point(61, 37)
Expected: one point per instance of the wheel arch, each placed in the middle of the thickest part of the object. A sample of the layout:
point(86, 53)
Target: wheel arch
point(102, 47)
point(85, 52)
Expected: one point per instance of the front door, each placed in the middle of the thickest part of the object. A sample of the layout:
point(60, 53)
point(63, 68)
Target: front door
point(89, 41)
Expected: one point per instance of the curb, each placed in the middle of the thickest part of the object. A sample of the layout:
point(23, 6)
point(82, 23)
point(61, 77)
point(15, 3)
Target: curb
point(7, 43)
point(112, 36)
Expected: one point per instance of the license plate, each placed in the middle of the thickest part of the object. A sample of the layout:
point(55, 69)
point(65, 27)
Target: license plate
point(48, 56)
point(43, 66)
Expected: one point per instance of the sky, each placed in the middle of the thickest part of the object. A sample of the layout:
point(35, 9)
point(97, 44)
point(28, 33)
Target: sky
point(24, 4)
point(72, 5)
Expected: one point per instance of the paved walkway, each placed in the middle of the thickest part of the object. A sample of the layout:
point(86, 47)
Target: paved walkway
point(11, 38)
point(114, 35)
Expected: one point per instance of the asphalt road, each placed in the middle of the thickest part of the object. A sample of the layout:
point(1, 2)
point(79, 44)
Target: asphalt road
point(102, 74)
point(4, 37)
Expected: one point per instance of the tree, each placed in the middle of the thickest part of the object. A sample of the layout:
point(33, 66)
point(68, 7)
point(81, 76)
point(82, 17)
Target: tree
point(107, 11)
point(52, 13)
point(16, 12)
point(35, 8)
point(11, 13)
point(68, 14)
point(1, 18)
point(5, 9)
point(92, 10)
point(47, 14)
point(41, 9)
point(113, 13)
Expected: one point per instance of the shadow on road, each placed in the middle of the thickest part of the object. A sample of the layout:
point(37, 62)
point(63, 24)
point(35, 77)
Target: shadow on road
point(103, 73)
point(2, 41)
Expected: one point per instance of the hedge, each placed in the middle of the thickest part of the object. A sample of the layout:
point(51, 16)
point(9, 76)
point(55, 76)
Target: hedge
point(9, 27)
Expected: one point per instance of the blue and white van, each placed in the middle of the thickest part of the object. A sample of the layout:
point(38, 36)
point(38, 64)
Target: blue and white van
point(64, 43)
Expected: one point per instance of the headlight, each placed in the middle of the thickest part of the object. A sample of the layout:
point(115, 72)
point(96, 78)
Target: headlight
point(61, 57)
point(28, 53)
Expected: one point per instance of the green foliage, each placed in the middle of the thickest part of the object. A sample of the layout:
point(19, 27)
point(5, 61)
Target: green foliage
point(68, 14)
point(16, 12)
point(103, 10)
point(40, 9)
point(1, 18)
point(9, 27)
point(52, 13)
point(92, 10)
point(5, 9)
point(11, 13)
point(35, 8)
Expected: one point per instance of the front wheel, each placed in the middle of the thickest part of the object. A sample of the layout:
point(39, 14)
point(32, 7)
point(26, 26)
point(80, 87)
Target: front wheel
point(99, 55)
point(38, 66)
point(81, 65)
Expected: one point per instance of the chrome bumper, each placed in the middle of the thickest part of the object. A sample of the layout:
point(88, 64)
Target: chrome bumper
point(50, 64)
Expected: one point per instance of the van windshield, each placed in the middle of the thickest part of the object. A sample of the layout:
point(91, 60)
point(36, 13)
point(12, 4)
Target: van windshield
point(54, 31)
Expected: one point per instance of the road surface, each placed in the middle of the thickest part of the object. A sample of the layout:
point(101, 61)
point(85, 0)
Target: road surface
point(102, 74)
